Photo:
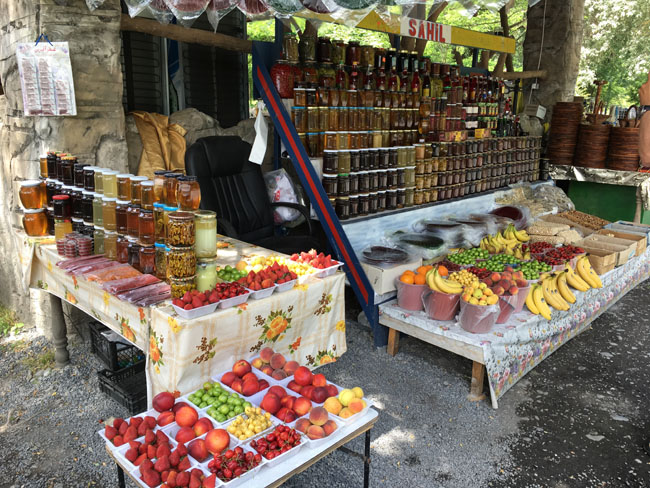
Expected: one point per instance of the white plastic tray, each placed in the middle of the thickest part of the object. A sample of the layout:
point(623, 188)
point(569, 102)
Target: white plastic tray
point(282, 287)
point(244, 477)
point(284, 456)
point(234, 301)
point(152, 413)
point(121, 451)
point(325, 272)
point(263, 293)
point(197, 312)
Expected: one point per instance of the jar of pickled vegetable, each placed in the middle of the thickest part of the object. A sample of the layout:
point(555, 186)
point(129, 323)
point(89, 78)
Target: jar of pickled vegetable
point(32, 194)
point(122, 249)
point(159, 221)
point(180, 229)
point(124, 186)
point(206, 273)
point(146, 195)
point(136, 194)
point(290, 47)
point(110, 244)
point(148, 259)
point(132, 220)
point(180, 287)
point(146, 232)
point(108, 214)
point(188, 193)
point(205, 223)
point(181, 262)
point(161, 261)
point(121, 216)
point(98, 240)
point(35, 222)
point(283, 78)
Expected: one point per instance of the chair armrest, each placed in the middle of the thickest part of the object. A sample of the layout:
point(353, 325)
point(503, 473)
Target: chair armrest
point(227, 229)
point(296, 206)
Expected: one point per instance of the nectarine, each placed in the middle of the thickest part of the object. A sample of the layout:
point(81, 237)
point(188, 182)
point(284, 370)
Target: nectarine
point(202, 426)
point(237, 385)
point(287, 401)
point(178, 405)
point(198, 450)
point(228, 378)
point(163, 401)
point(356, 405)
point(302, 376)
point(290, 367)
point(332, 391)
point(217, 440)
point(257, 363)
point(186, 417)
point(241, 367)
point(319, 394)
point(301, 406)
point(293, 386)
point(267, 369)
point(278, 391)
point(165, 418)
point(185, 434)
point(250, 387)
point(319, 380)
point(302, 425)
point(271, 403)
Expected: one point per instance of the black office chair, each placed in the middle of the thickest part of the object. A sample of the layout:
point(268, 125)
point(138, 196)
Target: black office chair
point(235, 189)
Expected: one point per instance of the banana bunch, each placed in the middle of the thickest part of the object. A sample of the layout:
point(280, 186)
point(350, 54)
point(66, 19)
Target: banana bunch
point(519, 254)
point(438, 283)
point(552, 294)
point(587, 273)
point(536, 303)
point(511, 233)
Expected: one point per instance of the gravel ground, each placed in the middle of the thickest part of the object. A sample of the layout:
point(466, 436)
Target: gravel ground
point(577, 420)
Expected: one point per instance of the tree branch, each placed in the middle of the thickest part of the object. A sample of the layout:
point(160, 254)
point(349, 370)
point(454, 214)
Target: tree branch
point(434, 12)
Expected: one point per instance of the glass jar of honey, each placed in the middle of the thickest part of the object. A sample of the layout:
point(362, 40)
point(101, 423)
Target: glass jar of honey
point(135, 189)
point(124, 186)
point(148, 259)
point(159, 221)
point(35, 222)
point(121, 216)
point(108, 213)
point(42, 161)
point(159, 185)
point(132, 220)
point(146, 195)
point(188, 193)
point(171, 186)
point(98, 176)
point(32, 194)
point(98, 240)
point(110, 244)
point(110, 183)
point(89, 178)
point(146, 234)
point(122, 249)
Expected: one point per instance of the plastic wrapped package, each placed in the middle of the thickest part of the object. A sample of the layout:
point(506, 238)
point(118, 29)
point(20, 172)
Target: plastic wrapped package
point(126, 284)
point(160, 11)
point(494, 223)
point(147, 295)
point(218, 9)
point(426, 246)
point(254, 9)
point(518, 214)
point(95, 266)
point(75, 262)
point(440, 306)
point(353, 11)
point(187, 11)
point(280, 189)
point(285, 8)
point(409, 297)
point(136, 6)
point(452, 233)
point(113, 273)
point(478, 319)
point(163, 294)
point(320, 6)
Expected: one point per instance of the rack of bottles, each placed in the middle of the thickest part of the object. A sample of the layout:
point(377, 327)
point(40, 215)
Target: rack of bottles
point(395, 130)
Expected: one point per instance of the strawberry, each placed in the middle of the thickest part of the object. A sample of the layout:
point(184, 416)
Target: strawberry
point(151, 478)
point(149, 436)
point(195, 482)
point(150, 421)
point(146, 465)
point(131, 454)
point(184, 464)
point(183, 479)
point(142, 429)
point(151, 451)
point(110, 432)
point(163, 450)
point(134, 445)
point(118, 440)
point(130, 434)
point(174, 458)
point(136, 421)
point(117, 423)
point(196, 302)
point(122, 429)
point(187, 298)
point(162, 464)
point(181, 450)
point(161, 437)
point(140, 459)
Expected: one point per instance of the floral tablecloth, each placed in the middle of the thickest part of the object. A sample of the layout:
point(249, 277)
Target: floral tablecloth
point(306, 323)
point(512, 349)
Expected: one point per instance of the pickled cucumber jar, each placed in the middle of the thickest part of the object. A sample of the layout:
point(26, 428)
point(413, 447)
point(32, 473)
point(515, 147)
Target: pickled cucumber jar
point(180, 286)
point(206, 273)
point(180, 229)
point(181, 262)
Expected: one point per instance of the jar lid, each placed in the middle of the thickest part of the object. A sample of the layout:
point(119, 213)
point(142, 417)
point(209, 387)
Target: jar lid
point(205, 215)
point(132, 240)
point(343, 175)
point(147, 183)
point(110, 233)
point(66, 187)
point(326, 175)
point(145, 211)
point(110, 172)
point(77, 188)
point(77, 219)
point(206, 261)
point(33, 210)
point(180, 215)
point(50, 209)
point(182, 280)
point(30, 183)
point(98, 195)
point(181, 248)
point(61, 197)
point(185, 178)
point(170, 208)
point(110, 199)
point(138, 178)
point(161, 172)
point(89, 168)
point(123, 202)
point(159, 205)
point(124, 175)
point(298, 108)
point(159, 245)
point(87, 192)
point(354, 196)
point(50, 180)
point(98, 227)
point(363, 194)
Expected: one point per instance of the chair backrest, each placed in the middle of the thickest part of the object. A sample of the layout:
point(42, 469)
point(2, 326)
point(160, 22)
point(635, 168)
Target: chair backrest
point(231, 185)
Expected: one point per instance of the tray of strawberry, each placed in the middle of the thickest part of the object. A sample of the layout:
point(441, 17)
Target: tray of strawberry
point(233, 466)
point(539, 247)
point(279, 445)
point(562, 255)
point(324, 264)
point(268, 278)
point(198, 303)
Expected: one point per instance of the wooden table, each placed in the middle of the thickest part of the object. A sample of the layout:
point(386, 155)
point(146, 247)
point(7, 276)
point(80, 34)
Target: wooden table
point(279, 474)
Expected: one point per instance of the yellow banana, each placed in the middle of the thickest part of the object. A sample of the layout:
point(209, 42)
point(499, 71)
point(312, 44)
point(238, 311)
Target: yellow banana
point(507, 234)
point(550, 297)
point(587, 273)
point(522, 235)
point(530, 303)
point(430, 281)
point(446, 286)
point(556, 293)
point(540, 303)
point(574, 280)
point(563, 288)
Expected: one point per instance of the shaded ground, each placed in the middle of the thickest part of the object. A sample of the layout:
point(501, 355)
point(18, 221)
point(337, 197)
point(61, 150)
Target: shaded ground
point(577, 420)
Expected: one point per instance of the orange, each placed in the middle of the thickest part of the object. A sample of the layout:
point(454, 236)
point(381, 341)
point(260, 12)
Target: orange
point(422, 270)
point(407, 278)
point(420, 279)
point(408, 272)
point(443, 271)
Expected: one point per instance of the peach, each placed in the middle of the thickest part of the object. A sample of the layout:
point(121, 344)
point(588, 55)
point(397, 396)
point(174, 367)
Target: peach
point(163, 401)
point(513, 290)
point(178, 405)
point(488, 282)
point(319, 380)
point(287, 401)
point(267, 369)
point(521, 283)
point(329, 427)
point(332, 405)
point(237, 385)
point(332, 391)
point(293, 386)
point(278, 391)
point(495, 277)
point(318, 416)
point(241, 367)
point(271, 403)
point(217, 440)
point(358, 392)
point(257, 363)
point(185, 434)
point(290, 367)
point(506, 275)
point(319, 394)
point(307, 391)
point(301, 406)
point(315, 432)
point(356, 405)
point(266, 353)
point(165, 418)
point(186, 417)
point(346, 396)
point(277, 361)
point(346, 413)
point(279, 374)
point(302, 376)
point(505, 284)
point(228, 378)
point(202, 426)
point(249, 376)
point(198, 450)
point(302, 425)
point(518, 275)
point(250, 387)
point(498, 290)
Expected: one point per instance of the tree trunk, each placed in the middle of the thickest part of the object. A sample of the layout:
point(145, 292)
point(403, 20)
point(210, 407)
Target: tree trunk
point(560, 55)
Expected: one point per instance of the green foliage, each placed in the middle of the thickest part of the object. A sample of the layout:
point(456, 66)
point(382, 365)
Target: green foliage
point(615, 49)
point(36, 362)
point(8, 322)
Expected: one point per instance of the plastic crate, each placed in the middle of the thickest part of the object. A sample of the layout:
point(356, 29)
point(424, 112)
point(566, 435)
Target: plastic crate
point(127, 386)
point(115, 355)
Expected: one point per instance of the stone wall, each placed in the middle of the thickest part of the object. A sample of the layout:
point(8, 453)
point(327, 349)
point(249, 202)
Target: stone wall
point(95, 135)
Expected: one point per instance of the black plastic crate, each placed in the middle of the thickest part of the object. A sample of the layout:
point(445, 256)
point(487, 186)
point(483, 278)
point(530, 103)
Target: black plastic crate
point(127, 386)
point(115, 355)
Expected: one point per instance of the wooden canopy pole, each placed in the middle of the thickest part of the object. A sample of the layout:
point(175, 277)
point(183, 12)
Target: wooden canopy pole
point(521, 75)
point(184, 34)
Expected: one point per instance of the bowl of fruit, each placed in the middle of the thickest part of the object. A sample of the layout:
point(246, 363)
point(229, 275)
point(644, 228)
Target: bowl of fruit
point(478, 309)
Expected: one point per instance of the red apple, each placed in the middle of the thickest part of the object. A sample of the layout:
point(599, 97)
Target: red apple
point(241, 367)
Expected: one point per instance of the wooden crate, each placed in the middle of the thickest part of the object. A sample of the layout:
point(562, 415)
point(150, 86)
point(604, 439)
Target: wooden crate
point(641, 241)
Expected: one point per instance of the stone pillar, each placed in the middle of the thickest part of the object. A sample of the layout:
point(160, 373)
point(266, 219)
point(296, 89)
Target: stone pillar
point(560, 53)
point(96, 135)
